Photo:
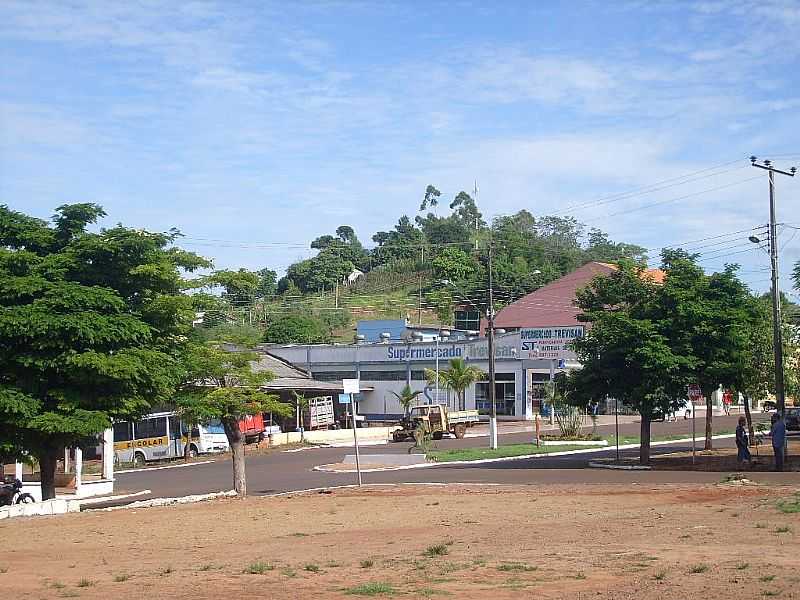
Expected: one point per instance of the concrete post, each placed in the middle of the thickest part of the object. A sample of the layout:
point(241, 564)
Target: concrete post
point(18, 470)
point(78, 468)
point(108, 454)
point(66, 460)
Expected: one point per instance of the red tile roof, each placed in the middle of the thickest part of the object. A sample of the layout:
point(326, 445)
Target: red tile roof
point(554, 304)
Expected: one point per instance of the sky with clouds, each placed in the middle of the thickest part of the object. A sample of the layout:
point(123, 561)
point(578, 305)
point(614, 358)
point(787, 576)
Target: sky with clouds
point(254, 127)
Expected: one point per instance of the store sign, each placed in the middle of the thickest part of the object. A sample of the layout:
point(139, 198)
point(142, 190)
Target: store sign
point(427, 352)
point(549, 342)
point(482, 351)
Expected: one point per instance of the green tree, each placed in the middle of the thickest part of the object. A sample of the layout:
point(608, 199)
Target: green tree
point(458, 378)
point(297, 329)
point(223, 382)
point(88, 328)
point(267, 283)
point(601, 248)
point(707, 318)
point(455, 265)
point(626, 353)
point(404, 242)
point(406, 397)
point(239, 287)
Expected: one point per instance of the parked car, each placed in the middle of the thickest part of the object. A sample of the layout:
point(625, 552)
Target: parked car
point(684, 410)
point(792, 418)
point(767, 406)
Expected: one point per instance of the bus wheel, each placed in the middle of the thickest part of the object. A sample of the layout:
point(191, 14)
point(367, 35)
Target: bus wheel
point(139, 460)
point(193, 451)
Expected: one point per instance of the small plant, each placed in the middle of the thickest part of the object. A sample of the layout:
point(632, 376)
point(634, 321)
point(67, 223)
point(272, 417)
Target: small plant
point(121, 577)
point(516, 567)
point(84, 582)
point(790, 506)
point(166, 571)
point(332, 564)
point(57, 585)
point(374, 588)
point(580, 575)
point(742, 566)
point(367, 563)
point(698, 568)
point(258, 568)
point(289, 572)
point(660, 576)
point(783, 529)
point(766, 578)
point(312, 568)
point(206, 567)
point(436, 550)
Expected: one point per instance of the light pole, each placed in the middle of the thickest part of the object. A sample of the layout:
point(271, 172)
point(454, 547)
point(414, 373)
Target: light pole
point(777, 342)
point(442, 333)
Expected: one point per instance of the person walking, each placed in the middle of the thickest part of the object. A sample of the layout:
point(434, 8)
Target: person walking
point(778, 433)
point(742, 443)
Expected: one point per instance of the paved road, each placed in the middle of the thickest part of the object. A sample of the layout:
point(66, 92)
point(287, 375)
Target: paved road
point(286, 471)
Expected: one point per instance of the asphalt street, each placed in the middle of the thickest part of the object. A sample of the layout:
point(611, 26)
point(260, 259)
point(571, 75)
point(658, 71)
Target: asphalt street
point(282, 471)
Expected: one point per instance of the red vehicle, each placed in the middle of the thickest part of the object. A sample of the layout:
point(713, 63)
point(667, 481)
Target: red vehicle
point(252, 426)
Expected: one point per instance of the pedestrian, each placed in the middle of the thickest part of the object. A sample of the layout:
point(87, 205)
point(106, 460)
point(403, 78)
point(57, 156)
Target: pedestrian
point(778, 433)
point(742, 443)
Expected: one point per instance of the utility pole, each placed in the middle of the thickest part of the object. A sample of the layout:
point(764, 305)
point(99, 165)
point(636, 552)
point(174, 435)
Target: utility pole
point(490, 348)
point(419, 302)
point(777, 341)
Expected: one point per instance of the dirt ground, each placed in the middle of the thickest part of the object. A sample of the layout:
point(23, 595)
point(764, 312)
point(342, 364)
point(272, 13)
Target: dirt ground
point(416, 541)
point(723, 460)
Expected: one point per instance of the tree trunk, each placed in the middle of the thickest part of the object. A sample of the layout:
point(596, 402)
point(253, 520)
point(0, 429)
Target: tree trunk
point(750, 430)
point(187, 446)
point(236, 441)
point(48, 459)
point(709, 417)
point(644, 436)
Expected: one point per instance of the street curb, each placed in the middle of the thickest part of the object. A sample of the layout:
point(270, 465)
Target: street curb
point(180, 466)
point(482, 461)
point(167, 501)
point(599, 465)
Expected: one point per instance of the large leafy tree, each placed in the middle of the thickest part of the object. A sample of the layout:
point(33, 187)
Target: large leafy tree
point(626, 353)
point(88, 328)
point(707, 317)
point(297, 329)
point(224, 382)
point(404, 242)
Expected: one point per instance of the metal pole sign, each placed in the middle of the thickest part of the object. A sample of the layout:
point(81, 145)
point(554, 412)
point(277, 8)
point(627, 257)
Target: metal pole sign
point(351, 386)
point(695, 393)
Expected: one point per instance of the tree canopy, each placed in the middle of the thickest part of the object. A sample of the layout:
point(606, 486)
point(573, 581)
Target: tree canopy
point(88, 329)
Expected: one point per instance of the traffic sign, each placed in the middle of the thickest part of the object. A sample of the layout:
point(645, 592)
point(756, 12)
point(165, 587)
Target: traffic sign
point(351, 386)
point(694, 392)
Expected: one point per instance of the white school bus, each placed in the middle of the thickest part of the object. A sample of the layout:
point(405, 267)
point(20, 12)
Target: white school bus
point(162, 435)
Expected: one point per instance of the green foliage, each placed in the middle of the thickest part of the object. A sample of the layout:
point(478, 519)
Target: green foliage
point(297, 329)
point(88, 328)
point(406, 397)
point(455, 265)
point(403, 242)
point(240, 287)
point(458, 377)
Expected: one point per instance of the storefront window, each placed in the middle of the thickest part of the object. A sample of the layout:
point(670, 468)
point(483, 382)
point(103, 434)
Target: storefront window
point(505, 395)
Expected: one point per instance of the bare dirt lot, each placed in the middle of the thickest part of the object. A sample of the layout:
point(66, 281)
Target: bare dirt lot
point(499, 542)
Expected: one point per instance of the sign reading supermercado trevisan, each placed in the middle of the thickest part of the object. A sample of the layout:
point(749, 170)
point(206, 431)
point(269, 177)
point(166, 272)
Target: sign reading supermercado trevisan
point(549, 342)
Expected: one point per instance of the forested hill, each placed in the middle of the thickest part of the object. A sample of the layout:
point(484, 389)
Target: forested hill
point(405, 267)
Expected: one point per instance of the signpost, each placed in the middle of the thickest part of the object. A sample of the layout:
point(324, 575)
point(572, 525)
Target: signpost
point(695, 394)
point(351, 386)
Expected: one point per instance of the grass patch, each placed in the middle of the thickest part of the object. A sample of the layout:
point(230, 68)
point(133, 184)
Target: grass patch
point(783, 529)
point(289, 572)
point(502, 452)
point(660, 576)
point(436, 550)
point(258, 568)
point(121, 577)
point(766, 578)
point(790, 506)
point(298, 534)
point(84, 583)
point(57, 585)
point(367, 563)
point(699, 568)
point(312, 568)
point(430, 592)
point(373, 588)
point(206, 568)
point(516, 567)
point(742, 566)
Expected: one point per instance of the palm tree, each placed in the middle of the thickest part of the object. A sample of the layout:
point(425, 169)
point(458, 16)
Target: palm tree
point(458, 378)
point(406, 397)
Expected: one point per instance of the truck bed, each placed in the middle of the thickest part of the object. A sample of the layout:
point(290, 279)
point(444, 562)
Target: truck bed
point(462, 416)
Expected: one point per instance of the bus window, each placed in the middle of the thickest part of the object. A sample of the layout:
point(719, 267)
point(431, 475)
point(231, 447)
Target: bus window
point(214, 426)
point(174, 428)
point(151, 428)
point(122, 432)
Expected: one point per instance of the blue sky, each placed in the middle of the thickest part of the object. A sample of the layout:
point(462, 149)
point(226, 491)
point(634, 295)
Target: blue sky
point(263, 125)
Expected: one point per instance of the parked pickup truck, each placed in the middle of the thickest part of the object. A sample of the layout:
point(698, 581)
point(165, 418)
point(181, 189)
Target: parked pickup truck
point(438, 420)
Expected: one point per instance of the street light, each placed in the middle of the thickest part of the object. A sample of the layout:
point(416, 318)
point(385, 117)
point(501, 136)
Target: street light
point(443, 333)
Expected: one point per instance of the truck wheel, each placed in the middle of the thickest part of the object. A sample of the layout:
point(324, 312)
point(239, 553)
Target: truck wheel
point(437, 435)
point(460, 430)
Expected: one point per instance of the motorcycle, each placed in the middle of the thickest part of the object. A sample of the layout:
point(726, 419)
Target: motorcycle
point(11, 493)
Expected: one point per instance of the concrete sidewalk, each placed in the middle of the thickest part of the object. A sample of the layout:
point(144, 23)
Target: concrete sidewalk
point(509, 427)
